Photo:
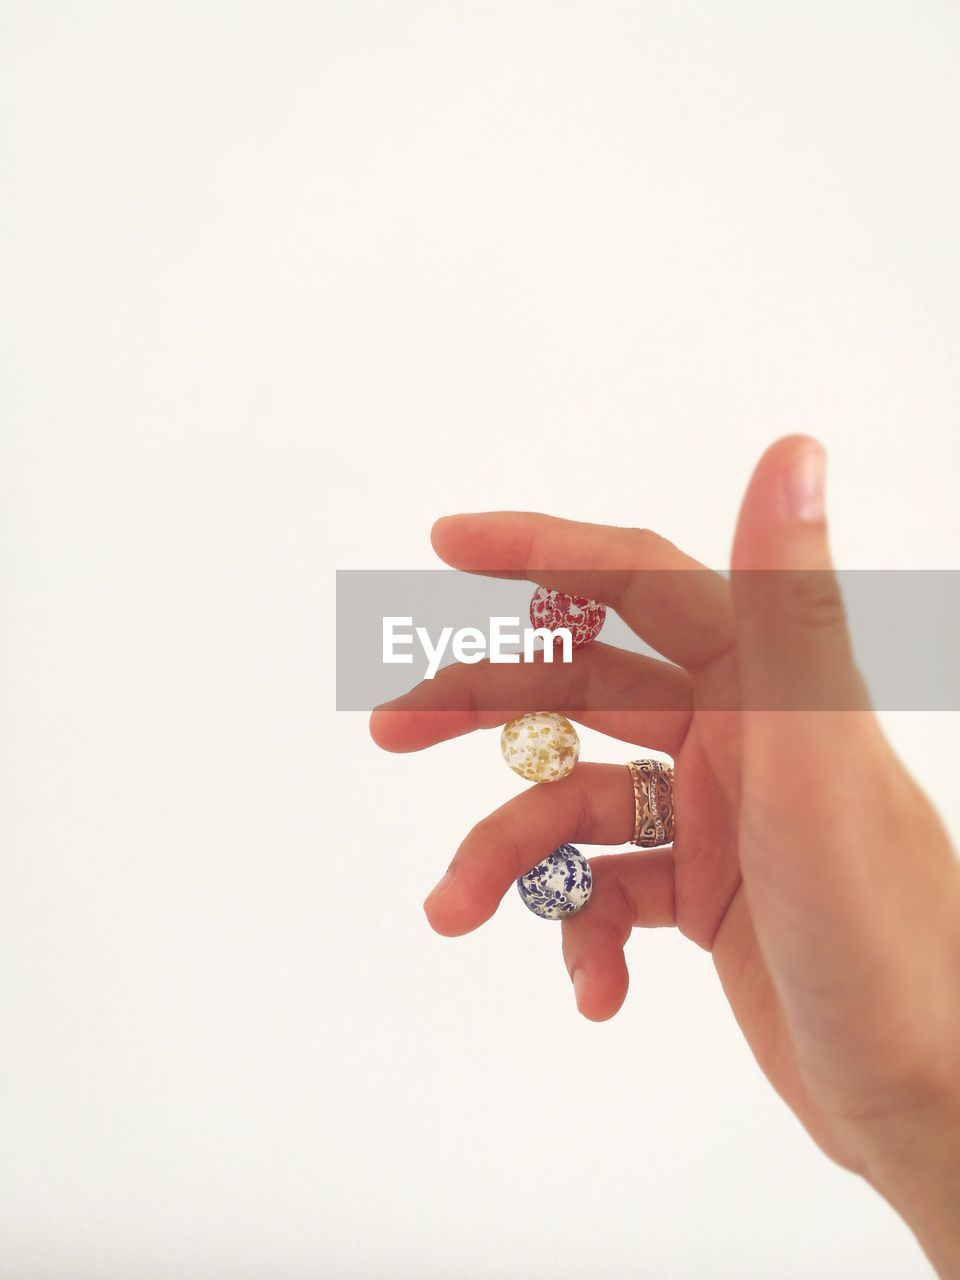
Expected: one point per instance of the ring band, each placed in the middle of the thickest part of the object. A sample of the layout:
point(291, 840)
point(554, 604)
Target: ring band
point(653, 800)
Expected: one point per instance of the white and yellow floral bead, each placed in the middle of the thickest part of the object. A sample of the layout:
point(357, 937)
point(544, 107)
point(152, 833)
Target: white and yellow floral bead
point(541, 746)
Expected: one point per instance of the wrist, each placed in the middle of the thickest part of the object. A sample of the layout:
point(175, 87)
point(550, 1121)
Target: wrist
point(919, 1175)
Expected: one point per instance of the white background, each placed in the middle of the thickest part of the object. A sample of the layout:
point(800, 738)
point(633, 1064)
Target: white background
point(281, 283)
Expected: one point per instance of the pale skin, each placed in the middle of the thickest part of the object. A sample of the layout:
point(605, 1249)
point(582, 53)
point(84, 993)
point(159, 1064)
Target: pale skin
point(807, 860)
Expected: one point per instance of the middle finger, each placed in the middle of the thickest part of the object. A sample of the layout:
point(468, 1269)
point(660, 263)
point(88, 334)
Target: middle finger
point(626, 695)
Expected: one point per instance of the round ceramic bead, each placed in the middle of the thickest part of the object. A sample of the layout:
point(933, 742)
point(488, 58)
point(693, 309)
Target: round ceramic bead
point(582, 617)
point(541, 746)
point(559, 886)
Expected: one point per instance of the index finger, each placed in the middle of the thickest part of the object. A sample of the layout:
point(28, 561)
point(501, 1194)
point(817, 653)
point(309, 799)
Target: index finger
point(677, 605)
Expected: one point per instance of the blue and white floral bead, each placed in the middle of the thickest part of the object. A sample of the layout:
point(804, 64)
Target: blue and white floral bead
point(559, 886)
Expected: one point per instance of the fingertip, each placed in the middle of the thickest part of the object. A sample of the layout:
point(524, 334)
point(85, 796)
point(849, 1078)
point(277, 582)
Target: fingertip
point(444, 534)
point(785, 495)
point(436, 915)
point(600, 995)
point(451, 908)
point(438, 922)
point(480, 540)
point(403, 730)
point(373, 725)
point(438, 526)
point(780, 451)
point(386, 729)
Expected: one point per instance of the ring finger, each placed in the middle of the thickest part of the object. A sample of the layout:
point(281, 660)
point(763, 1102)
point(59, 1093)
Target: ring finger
point(594, 804)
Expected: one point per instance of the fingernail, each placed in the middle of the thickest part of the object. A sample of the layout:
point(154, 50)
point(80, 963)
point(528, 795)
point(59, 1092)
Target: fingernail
point(579, 982)
point(803, 484)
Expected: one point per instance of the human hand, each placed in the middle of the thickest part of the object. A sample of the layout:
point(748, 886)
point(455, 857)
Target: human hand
point(806, 858)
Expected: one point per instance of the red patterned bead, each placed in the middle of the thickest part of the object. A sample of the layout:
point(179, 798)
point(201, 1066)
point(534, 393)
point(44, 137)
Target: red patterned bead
point(582, 617)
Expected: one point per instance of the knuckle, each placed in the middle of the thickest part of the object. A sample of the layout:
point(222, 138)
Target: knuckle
point(811, 599)
point(488, 830)
point(649, 543)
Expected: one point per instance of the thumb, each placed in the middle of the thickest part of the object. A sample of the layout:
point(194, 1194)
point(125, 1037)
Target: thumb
point(846, 870)
point(794, 646)
point(810, 743)
point(809, 737)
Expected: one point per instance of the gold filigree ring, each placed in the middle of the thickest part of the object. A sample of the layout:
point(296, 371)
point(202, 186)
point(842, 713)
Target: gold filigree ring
point(653, 802)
